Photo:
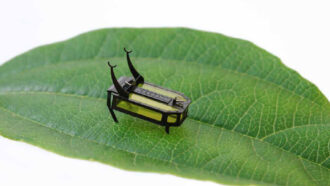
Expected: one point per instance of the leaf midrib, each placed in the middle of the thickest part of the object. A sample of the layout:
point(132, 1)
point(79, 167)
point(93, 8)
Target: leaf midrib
point(103, 99)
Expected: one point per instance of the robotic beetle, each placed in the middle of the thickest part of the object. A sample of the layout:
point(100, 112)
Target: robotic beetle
point(134, 96)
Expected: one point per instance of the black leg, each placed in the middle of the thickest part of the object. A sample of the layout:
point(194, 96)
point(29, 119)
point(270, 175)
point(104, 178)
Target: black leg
point(113, 115)
point(110, 108)
point(167, 129)
point(164, 122)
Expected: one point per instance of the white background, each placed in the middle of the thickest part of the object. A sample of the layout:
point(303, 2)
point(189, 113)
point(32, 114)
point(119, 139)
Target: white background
point(296, 31)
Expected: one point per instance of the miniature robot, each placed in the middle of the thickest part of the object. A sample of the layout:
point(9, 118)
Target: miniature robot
point(134, 96)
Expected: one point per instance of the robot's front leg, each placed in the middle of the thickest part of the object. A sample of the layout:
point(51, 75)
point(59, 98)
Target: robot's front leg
point(110, 108)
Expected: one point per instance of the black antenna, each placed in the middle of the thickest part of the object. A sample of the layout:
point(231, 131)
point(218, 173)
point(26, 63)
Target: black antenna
point(119, 89)
point(138, 78)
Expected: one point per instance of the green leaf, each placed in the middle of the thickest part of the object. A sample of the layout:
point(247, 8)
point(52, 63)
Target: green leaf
point(252, 120)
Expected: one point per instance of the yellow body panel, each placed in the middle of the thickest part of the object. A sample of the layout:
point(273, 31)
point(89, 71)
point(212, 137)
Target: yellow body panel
point(172, 118)
point(139, 110)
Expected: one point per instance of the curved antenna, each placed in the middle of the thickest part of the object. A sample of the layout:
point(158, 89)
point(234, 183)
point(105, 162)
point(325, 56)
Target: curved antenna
point(138, 78)
point(119, 89)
